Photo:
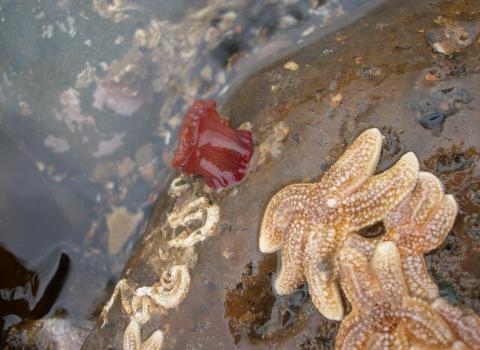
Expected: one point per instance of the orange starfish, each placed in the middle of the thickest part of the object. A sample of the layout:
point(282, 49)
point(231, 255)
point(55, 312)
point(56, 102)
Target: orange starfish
point(384, 315)
point(418, 225)
point(309, 222)
point(464, 322)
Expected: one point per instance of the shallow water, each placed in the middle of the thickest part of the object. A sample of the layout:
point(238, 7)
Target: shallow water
point(89, 108)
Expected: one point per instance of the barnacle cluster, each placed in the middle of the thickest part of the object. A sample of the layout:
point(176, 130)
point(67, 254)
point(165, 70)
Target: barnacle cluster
point(191, 220)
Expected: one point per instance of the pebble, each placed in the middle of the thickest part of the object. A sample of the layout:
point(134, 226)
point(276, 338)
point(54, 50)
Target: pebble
point(207, 73)
point(290, 65)
point(121, 224)
point(336, 101)
point(144, 155)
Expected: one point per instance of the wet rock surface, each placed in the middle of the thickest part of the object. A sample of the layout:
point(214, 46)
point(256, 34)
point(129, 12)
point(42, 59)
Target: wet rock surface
point(93, 93)
point(388, 77)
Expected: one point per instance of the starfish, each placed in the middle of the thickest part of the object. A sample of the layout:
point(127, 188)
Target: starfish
point(309, 222)
point(418, 225)
point(384, 315)
point(464, 322)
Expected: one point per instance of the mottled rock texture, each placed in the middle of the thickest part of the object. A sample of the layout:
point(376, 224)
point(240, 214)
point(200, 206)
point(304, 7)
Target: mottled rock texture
point(388, 77)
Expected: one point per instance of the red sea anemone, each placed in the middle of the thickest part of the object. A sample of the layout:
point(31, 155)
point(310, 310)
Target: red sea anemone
point(207, 146)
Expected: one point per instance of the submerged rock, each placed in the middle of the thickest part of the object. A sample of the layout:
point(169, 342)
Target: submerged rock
point(380, 70)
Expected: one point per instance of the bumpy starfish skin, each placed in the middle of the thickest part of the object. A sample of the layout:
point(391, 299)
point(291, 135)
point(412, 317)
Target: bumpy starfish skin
point(384, 315)
point(310, 221)
point(465, 322)
point(418, 225)
point(278, 215)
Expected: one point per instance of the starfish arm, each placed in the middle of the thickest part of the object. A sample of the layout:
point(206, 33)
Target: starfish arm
point(357, 163)
point(387, 265)
point(419, 205)
point(324, 290)
point(291, 275)
point(466, 325)
point(387, 341)
point(401, 337)
point(380, 193)
point(320, 272)
point(364, 245)
point(358, 282)
point(424, 323)
point(419, 281)
point(427, 198)
point(441, 223)
point(353, 333)
point(279, 214)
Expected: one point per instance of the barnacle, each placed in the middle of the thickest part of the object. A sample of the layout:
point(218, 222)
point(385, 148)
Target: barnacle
point(132, 338)
point(197, 209)
point(171, 290)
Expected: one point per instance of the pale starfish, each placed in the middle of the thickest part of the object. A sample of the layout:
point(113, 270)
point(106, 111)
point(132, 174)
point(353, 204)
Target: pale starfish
point(311, 221)
point(418, 225)
point(384, 315)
